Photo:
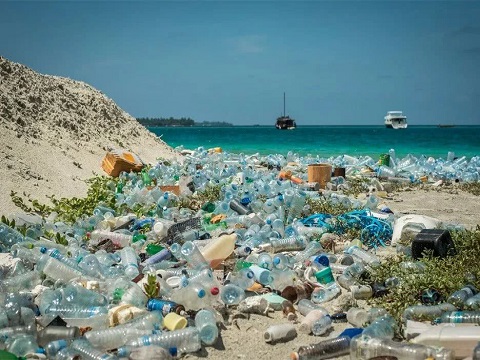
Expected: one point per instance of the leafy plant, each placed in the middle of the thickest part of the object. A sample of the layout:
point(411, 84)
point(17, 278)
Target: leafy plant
point(152, 287)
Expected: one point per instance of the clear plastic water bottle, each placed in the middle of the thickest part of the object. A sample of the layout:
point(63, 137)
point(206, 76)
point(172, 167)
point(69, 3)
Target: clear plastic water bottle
point(382, 327)
point(464, 317)
point(206, 323)
point(113, 338)
point(312, 316)
point(292, 243)
point(76, 294)
point(329, 292)
point(20, 282)
point(56, 269)
point(231, 294)
point(366, 257)
point(184, 340)
point(322, 325)
point(459, 297)
point(76, 311)
point(473, 303)
point(56, 254)
point(306, 305)
point(88, 352)
point(120, 240)
point(244, 278)
point(129, 262)
point(265, 261)
point(363, 348)
point(426, 312)
point(296, 206)
point(312, 248)
point(193, 296)
point(327, 349)
point(193, 255)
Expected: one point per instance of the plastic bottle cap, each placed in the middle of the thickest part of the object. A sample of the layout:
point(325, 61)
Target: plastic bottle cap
point(323, 260)
point(173, 321)
point(214, 290)
point(174, 281)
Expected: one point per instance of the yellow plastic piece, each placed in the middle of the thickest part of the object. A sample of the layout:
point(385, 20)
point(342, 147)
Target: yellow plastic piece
point(173, 321)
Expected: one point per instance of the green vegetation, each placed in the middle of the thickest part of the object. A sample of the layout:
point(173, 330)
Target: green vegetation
point(444, 275)
point(182, 122)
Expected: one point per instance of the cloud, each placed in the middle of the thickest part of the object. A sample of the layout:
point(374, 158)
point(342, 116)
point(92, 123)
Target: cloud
point(249, 44)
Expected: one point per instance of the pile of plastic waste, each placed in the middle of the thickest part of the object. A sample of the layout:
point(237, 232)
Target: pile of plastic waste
point(149, 278)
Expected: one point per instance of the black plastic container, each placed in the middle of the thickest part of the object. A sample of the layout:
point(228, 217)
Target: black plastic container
point(437, 240)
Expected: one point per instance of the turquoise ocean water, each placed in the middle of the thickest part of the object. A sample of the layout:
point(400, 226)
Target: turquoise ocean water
point(329, 141)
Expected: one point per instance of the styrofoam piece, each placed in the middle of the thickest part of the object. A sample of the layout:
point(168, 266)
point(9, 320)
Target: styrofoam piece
point(412, 224)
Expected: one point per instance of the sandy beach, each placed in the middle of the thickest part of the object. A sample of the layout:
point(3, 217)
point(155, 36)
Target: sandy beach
point(55, 133)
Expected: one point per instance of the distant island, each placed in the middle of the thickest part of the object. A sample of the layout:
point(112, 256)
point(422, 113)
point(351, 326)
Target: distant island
point(182, 122)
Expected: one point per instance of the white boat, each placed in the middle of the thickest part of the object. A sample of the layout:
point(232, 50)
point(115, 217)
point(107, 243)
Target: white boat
point(396, 120)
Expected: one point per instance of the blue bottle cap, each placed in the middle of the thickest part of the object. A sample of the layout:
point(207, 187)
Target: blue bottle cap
point(43, 250)
point(323, 260)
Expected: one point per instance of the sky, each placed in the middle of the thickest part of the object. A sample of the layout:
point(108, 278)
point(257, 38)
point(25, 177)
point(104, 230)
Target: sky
point(339, 62)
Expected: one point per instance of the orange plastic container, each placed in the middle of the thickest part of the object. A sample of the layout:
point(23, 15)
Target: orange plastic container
point(117, 161)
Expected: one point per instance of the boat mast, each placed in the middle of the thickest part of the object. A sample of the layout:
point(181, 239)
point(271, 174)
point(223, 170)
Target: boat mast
point(284, 104)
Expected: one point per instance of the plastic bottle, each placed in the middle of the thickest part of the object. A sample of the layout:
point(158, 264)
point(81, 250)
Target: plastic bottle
point(193, 296)
point(306, 305)
point(56, 254)
point(281, 261)
point(129, 262)
point(231, 294)
point(312, 248)
point(185, 340)
point(120, 240)
point(54, 333)
point(23, 281)
point(164, 306)
point(473, 303)
point(21, 344)
point(382, 327)
point(308, 321)
point(75, 311)
point(329, 292)
point(263, 276)
point(206, 323)
point(327, 349)
point(76, 294)
point(464, 317)
point(322, 325)
point(53, 347)
point(88, 352)
point(426, 312)
point(367, 258)
point(162, 255)
point(292, 243)
point(193, 255)
point(280, 333)
point(218, 249)
point(476, 352)
point(296, 206)
point(364, 348)
point(289, 310)
point(56, 269)
point(458, 298)
point(113, 338)
point(244, 278)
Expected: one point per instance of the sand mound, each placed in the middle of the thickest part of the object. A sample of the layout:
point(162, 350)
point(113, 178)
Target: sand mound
point(55, 133)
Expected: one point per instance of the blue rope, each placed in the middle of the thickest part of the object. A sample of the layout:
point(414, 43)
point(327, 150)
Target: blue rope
point(374, 232)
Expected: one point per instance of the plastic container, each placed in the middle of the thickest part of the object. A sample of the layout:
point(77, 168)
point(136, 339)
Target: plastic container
point(113, 338)
point(218, 249)
point(289, 311)
point(206, 323)
point(382, 327)
point(280, 333)
point(306, 305)
point(366, 257)
point(263, 276)
point(322, 325)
